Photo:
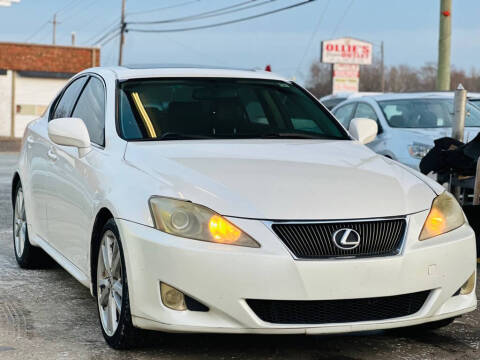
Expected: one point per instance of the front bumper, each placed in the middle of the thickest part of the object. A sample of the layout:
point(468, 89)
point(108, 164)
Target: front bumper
point(223, 276)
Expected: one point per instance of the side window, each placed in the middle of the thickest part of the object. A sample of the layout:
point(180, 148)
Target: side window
point(91, 109)
point(365, 111)
point(344, 114)
point(65, 104)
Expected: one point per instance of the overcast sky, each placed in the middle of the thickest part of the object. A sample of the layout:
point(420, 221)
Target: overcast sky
point(409, 29)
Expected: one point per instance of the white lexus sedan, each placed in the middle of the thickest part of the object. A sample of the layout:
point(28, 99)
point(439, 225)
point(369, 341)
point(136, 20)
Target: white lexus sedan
point(229, 201)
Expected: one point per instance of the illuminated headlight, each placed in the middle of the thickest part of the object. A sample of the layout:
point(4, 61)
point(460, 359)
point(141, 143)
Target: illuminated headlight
point(197, 222)
point(418, 150)
point(445, 215)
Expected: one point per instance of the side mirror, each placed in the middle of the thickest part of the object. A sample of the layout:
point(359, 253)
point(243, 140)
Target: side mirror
point(70, 132)
point(363, 129)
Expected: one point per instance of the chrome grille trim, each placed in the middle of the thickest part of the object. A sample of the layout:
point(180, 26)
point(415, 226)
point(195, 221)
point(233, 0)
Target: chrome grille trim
point(311, 240)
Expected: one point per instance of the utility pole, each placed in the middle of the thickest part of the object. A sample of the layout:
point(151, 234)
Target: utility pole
point(123, 25)
point(382, 67)
point(444, 43)
point(54, 22)
point(74, 36)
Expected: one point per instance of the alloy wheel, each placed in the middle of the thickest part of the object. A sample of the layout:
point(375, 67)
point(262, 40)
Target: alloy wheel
point(109, 283)
point(20, 223)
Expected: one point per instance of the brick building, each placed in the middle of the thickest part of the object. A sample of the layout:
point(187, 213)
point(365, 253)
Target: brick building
point(31, 75)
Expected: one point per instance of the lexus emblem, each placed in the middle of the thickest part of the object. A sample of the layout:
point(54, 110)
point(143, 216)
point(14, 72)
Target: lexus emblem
point(346, 239)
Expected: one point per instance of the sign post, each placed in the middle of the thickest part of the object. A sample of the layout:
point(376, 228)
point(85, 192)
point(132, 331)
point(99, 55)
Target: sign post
point(346, 54)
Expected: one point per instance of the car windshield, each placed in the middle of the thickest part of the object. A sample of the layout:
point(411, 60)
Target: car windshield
point(475, 101)
point(426, 113)
point(331, 103)
point(168, 109)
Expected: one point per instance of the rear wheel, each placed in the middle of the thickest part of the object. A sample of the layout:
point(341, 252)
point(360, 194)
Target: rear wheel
point(112, 290)
point(27, 256)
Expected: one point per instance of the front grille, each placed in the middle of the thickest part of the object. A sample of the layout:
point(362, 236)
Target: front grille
point(338, 311)
point(315, 240)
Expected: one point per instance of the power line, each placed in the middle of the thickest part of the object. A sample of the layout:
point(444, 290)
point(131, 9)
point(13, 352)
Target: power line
point(78, 23)
point(92, 20)
point(80, 11)
point(108, 29)
point(107, 34)
point(342, 17)
point(162, 8)
point(106, 41)
point(223, 23)
point(208, 14)
point(70, 6)
point(36, 32)
point(314, 33)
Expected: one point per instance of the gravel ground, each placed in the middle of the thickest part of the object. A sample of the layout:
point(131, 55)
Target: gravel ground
point(46, 314)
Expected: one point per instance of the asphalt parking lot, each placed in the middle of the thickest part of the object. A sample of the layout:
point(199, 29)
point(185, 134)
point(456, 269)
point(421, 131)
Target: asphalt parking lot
point(46, 314)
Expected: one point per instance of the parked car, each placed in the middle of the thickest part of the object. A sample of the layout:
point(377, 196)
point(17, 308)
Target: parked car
point(330, 101)
point(474, 98)
point(228, 201)
point(408, 123)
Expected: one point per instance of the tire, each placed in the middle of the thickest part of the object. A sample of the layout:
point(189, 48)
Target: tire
point(27, 255)
point(111, 281)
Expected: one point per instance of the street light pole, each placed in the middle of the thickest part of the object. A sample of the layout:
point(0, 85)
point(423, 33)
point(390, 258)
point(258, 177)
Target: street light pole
point(444, 44)
point(122, 33)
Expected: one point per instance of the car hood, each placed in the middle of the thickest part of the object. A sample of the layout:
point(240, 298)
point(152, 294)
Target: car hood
point(282, 179)
point(427, 136)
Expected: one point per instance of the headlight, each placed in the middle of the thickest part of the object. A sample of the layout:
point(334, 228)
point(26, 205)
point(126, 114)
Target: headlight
point(192, 221)
point(418, 150)
point(445, 215)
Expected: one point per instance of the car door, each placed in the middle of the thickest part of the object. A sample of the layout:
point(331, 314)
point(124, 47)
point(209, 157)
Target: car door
point(70, 212)
point(40, 159)
point(366, 111)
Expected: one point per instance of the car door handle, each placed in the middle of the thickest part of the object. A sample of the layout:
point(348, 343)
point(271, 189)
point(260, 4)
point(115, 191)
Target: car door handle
point(51, 154)
point(30, 140)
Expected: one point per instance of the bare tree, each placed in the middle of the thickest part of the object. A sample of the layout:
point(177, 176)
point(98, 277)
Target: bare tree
point(399, 78)
point(370, 77)
point(320, 81)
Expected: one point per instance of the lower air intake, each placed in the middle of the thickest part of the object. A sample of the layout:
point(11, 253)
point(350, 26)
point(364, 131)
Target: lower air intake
point(338, 311)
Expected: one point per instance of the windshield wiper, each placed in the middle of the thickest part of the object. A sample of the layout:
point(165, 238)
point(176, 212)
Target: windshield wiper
point(178, 136)
point(289, 135)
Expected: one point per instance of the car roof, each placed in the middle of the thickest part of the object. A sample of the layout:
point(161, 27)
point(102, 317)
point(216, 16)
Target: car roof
point(158, 71)
point(413, 95)
point(349, 95)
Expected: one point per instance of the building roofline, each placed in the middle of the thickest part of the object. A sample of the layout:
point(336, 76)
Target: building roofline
point(50, 45)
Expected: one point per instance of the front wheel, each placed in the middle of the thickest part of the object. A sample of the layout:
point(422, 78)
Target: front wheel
point(112, 290)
